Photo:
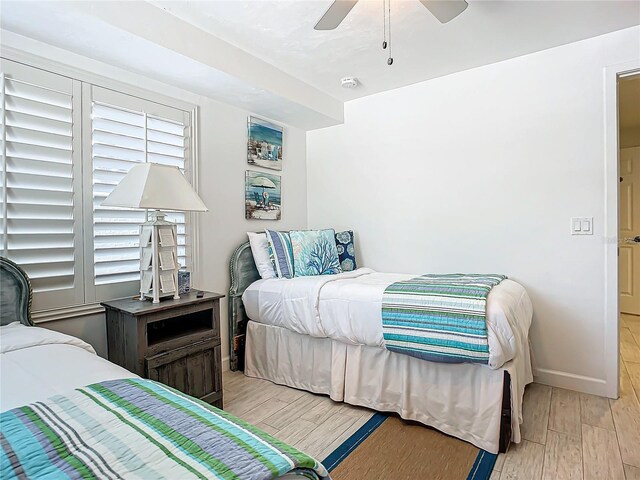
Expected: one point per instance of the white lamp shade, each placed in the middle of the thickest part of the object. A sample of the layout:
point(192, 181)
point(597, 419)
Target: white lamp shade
point(153, 186)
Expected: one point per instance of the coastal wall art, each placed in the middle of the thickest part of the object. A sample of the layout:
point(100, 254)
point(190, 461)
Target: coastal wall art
point(262, 196)
point(264, 145)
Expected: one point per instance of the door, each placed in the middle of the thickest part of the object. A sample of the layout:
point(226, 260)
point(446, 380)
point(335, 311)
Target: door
point(629, 256)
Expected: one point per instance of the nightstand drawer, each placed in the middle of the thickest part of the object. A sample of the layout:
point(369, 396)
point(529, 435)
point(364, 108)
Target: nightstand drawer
point(194, 369)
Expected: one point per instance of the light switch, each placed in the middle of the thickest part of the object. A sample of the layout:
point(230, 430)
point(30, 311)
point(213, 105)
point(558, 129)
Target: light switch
point(577, 225)
point(582, 226)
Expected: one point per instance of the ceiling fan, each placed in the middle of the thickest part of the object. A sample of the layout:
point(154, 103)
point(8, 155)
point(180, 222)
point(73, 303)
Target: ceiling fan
point(443, 10)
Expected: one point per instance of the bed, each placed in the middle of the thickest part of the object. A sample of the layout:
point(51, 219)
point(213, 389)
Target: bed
point(67, 413)
point(323, 334)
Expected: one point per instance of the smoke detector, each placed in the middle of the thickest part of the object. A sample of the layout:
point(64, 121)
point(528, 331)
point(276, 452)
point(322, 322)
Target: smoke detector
point(349, 82)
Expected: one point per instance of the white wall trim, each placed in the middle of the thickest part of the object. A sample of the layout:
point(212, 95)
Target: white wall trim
point(579, 383)
point(225, 364)
point(611, 192)
point(45, 316)
point(37, 61)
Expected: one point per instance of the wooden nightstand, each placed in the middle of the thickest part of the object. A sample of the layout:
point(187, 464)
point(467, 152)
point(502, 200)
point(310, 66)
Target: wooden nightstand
point(176, 342)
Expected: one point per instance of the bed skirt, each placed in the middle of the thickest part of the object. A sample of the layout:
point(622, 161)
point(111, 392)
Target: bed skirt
point(462, 400)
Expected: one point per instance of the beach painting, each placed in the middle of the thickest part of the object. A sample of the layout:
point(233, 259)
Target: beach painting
point(264, 146)
point(262, 196)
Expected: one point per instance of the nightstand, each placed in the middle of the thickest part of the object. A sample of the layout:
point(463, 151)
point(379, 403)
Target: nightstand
point(176, 342)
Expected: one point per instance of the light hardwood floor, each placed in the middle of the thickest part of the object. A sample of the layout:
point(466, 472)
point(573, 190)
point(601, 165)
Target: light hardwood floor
point(566, 435)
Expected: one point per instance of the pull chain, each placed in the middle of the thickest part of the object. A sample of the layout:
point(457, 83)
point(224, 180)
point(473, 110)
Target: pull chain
point(390, 59)
point(384, 25)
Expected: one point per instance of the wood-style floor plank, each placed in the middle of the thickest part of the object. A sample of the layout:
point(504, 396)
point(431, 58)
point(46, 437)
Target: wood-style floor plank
point(499, 462)
point(316, 442)
point(535, 412)
point(523, 461)
point(324, 409)
point(632, 322)
point(250, 399)
point(359, 422)
point(264, 410)
point(268, 428)
point(628, 346)
point(633, 369)
point(293, 413)
point(296, 432)
point(562, 457)
point(601, 455)
point(626, 417)
point(564, 414)
point(595, 411)
point(632, 473)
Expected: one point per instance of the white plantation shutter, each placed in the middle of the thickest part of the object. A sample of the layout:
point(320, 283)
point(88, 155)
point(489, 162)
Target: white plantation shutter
point(40, 207)
point(127, 130)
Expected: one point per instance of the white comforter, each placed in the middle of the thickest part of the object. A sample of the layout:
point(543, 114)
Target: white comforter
point(36, 363)
point(347, 307)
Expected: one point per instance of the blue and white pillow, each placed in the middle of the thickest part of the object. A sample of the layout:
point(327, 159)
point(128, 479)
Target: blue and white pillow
point(314, 252)
point(281, 253)
point(346, 250)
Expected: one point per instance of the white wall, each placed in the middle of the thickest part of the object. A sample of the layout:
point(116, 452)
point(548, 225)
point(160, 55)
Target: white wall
point(481, 171)
point(223, 143)
point(222, 164)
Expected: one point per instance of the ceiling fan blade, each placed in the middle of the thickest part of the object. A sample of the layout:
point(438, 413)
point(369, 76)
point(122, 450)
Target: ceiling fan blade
point(335, 14)
point(445, 10)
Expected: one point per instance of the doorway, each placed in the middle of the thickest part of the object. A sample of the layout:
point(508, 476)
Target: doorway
point(629, 224)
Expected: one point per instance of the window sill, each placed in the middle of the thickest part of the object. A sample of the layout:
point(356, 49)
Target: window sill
point(65, 313)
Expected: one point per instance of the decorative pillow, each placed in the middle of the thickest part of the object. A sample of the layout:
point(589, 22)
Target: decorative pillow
point(314, 252)
point(281, 253)
point(346, 250)
point(260, 250)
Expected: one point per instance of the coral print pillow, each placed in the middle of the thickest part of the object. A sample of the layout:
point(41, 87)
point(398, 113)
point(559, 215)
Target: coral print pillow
point(346, 251)
point(314, 252)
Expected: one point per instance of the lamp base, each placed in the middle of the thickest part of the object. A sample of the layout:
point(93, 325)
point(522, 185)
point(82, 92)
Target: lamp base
point(158, 258)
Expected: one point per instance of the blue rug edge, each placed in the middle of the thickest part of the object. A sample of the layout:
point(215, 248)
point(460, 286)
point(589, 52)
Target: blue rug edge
point(340, 453)
point(482, 466)
point(481, 469)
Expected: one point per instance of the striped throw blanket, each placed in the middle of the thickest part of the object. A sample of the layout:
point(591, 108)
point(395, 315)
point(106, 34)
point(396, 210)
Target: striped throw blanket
point(441, 318)
point(136, 428)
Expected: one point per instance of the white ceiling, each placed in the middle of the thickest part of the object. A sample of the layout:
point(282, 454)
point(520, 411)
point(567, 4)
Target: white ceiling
point(133, 35)
point(281, 33)
point(265, 57)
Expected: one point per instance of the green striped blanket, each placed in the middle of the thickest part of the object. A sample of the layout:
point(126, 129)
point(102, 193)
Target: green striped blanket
point(137, 428)
point(441, 318)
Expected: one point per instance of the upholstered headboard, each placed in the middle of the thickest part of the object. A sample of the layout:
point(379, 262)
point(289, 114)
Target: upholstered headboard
point(243, 271)
point(15, 294)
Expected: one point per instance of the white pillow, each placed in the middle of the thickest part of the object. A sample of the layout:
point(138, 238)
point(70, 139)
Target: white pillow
point(260, 250)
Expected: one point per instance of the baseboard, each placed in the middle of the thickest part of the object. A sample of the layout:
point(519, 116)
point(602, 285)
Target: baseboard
point(225, 363)
point(571, 381)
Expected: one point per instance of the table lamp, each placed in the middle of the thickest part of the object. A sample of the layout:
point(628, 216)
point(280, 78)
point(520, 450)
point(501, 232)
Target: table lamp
point(157, 187)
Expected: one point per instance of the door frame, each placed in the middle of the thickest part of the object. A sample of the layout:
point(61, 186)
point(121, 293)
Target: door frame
point(611, 223)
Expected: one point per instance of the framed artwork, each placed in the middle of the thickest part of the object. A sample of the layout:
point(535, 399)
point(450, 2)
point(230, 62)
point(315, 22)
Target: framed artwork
point(264, 145)
point(262, 196)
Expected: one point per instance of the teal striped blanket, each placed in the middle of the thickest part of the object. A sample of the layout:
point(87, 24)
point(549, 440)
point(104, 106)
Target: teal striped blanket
point(137, 428)
point(441, 318)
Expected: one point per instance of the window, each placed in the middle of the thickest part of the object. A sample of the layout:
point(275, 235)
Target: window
point(127, 130)
point(41, 215)
point(65, 145)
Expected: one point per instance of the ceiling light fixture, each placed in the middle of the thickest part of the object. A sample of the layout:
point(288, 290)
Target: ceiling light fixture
point(443, 10)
